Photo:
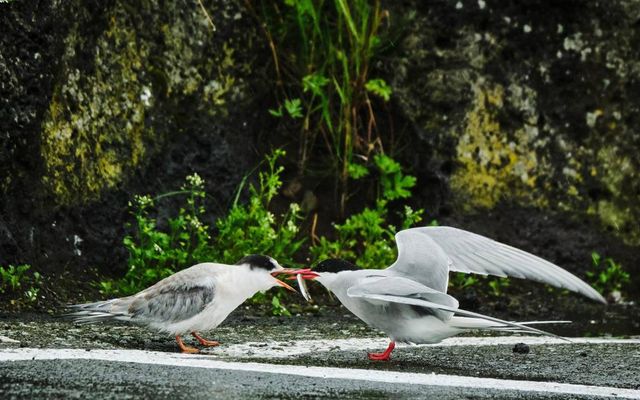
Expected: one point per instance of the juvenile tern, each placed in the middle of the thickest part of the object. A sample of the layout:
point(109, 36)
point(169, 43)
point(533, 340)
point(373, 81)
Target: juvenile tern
point(408, 300)
point(195, 299)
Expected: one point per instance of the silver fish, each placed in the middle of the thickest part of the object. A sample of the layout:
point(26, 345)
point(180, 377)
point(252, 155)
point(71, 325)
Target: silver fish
point(302, 285)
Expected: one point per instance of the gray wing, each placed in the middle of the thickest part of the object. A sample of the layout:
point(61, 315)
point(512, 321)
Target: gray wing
point(472, 253)
point(171, 304)
point(421, 259)
point(403, 287)
point(405, 291)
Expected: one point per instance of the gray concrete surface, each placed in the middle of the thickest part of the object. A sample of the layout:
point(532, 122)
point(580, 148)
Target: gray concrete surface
point(337, 343)
point(107, 380)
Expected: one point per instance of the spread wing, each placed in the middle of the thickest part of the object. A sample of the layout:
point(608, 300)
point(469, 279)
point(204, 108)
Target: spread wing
point(426, 254)
point(405, 291)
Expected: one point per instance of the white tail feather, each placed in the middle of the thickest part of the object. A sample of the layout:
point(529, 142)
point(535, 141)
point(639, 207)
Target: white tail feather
point(478, 323)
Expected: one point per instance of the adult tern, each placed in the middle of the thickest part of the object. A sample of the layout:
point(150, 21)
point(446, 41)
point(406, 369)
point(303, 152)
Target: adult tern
point(408, 300)
point(195, 299)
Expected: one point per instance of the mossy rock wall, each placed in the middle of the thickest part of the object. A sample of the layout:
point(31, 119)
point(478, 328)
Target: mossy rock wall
point(532, 103)
point(104, 99)
point(105, 117)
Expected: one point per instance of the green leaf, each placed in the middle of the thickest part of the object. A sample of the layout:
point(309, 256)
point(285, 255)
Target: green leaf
point(595, 257)
point(276, 112)
point(379, 87)
point(314, 83)
point(294, 108)
point(344, 8)
point(357, 171)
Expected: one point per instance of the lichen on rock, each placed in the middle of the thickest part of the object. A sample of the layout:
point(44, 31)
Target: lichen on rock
point(110, 113)
point(95, 127)
point(530, 107)
point(495, 164)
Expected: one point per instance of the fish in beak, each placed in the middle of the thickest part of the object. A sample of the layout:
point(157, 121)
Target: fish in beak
point(300, 275)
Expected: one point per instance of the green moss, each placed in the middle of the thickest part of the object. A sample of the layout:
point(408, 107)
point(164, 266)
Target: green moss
point(95, 127)
point(496, 164)
point(541, 138)
point(100, 122)
point(493, 164)
point(617, 173)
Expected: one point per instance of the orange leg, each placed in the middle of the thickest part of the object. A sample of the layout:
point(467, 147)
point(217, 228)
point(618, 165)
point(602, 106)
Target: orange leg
point(184, 348)
point(386, 356)
point(203, 341)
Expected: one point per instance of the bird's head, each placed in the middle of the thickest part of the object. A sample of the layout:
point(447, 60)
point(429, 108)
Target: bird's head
point(335, 265)
point(327, 271)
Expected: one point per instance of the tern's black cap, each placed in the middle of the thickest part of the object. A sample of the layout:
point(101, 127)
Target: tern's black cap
point(335, 265)
point(258, 261)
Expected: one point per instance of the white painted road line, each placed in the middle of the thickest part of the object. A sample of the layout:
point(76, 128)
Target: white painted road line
point(284, 349)
point(405, 378)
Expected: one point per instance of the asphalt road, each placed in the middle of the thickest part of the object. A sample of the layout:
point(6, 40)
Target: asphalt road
point(305, 357)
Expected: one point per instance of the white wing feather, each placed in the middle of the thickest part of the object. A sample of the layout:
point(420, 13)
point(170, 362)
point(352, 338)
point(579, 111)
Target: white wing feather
point(426, 254)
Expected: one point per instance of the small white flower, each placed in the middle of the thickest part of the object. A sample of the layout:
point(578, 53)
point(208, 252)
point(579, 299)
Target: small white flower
point(270, 218)
point(195, 180)
point(143, 201)
point(291, 226)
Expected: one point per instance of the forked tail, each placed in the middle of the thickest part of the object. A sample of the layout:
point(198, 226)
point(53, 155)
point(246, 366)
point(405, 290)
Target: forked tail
point(88, 313)
point(495, 324)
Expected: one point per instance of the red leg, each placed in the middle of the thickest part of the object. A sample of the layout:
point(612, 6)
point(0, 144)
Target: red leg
point(203, 341)
point(184, 348)
point(386, 356)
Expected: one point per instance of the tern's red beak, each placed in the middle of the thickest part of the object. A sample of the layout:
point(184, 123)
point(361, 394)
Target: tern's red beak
point(306, 273)
point(285, 271)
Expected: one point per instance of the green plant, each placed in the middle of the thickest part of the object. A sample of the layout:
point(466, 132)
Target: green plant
point(13, 278)
point(155, 254)
point(252, 228)
point(367, 237)
point(395, 185)
point(492, 285)
point(158, 250)
point(497, 285)
point(461, 280)
point(606, 275)
point(322, 52)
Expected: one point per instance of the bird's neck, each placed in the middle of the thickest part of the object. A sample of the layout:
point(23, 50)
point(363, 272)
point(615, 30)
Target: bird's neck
point(327, 279)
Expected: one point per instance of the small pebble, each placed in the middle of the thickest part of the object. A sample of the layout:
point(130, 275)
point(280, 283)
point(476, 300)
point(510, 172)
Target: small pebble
point(521, 348)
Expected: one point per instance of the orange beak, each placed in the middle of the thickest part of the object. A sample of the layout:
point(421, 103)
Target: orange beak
point(283, 284)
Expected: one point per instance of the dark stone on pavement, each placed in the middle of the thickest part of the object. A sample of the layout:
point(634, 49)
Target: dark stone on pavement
point(521, 348)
